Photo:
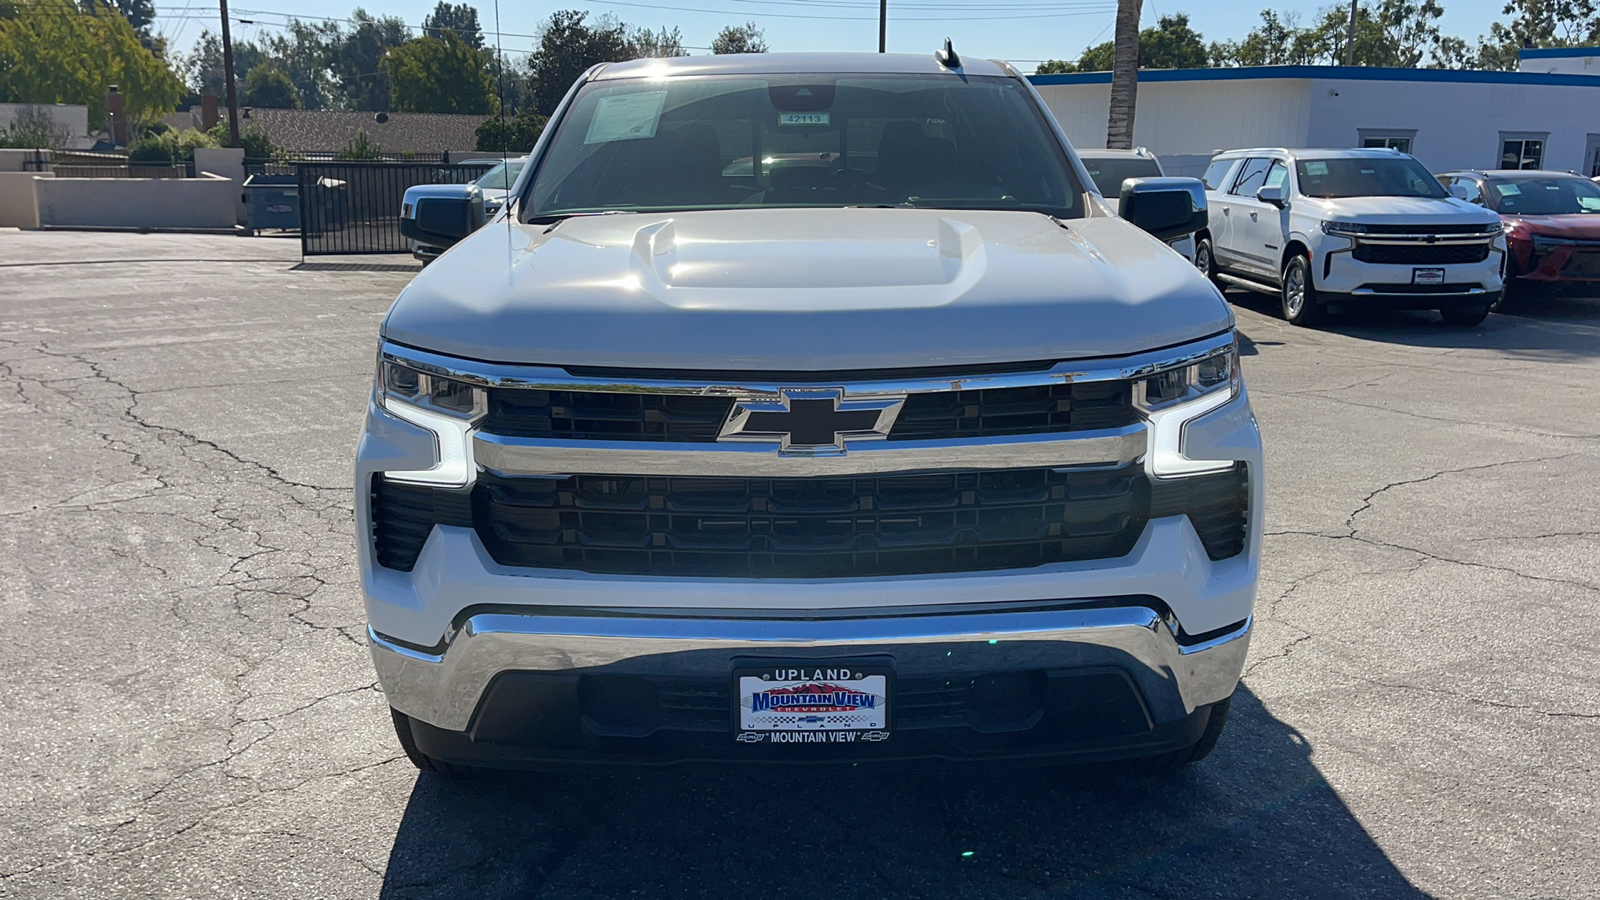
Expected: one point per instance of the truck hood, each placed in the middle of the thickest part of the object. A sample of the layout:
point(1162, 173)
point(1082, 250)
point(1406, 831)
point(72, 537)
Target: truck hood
point(805, 290)
point(1401, 210)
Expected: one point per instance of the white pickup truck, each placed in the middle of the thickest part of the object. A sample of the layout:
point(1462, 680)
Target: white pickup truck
point(808, 408)
point(1343, 227)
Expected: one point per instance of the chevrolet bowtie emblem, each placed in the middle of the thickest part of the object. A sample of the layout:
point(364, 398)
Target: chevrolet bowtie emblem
point(811, 421)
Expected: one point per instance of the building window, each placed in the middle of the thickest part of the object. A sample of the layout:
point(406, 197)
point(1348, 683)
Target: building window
point(1521, 151)
point(1388, 138)
point(1591, 159)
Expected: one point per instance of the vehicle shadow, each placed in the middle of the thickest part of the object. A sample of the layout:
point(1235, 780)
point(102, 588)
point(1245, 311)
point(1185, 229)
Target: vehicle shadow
point(1522, 330)
point(1256, 819)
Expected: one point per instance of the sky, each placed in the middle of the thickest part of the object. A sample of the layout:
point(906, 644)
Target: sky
point(1023, 31)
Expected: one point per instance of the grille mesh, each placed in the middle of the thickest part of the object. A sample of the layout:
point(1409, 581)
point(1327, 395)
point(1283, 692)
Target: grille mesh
point(811, 527)
point(1421, 254)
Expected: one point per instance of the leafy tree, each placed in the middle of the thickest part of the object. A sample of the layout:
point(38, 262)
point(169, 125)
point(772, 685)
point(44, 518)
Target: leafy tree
point(56, 54)
point(457, 17)
point(362, 83)
point(1277, 41)
point(1169, 44)
point(360, 148)
point(660, 44)
point(267, 86)
point(438, 75)
point(253, 138)
point(746, 38)
point(1538, 24)
point(517, 135)
point(567, 47)
point(202, 67)
point(304, 51)
point(510, 79)
point(168, 147)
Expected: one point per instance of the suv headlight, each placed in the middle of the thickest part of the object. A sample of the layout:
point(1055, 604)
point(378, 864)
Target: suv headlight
point(1173, 397)
point(445, 406)
point(1344, 229)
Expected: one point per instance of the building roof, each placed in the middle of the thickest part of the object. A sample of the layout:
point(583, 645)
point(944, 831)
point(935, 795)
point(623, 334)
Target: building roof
point(1557, 52)
point(799, 63)
point(1347, 73)
point(329, 130)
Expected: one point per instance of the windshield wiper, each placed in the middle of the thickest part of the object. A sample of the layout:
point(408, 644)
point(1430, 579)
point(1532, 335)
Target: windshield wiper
point(557, 218)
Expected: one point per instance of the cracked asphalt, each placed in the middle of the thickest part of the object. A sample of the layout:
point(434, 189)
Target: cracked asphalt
point(189, 709)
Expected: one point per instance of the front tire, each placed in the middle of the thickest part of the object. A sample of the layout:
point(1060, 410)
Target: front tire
point(1177, 759)
point(1301, 305)
point(1205, 260)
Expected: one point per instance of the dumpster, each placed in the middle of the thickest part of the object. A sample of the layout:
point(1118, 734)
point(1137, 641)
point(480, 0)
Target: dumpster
point(273, 201)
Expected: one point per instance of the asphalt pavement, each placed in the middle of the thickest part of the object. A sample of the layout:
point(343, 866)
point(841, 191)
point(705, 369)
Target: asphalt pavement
point(189, 709)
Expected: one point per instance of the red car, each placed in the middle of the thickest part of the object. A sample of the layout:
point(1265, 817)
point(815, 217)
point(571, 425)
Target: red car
point(1552, 222)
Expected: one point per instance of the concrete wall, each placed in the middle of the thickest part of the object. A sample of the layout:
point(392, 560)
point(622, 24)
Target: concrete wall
point(12, 160)
point(227, 162)
point(204, 202)
point(1459, 125)
point(19, 203)
point(1181, 118)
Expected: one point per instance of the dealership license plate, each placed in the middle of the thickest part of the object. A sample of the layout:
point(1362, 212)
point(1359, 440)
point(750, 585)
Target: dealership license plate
point(812, 703)
point(1427, 276)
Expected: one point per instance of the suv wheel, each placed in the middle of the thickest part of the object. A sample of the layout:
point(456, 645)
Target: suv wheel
point(1301, 306)
point(1466, 316)
point(1204, 261)
point(1177, 759)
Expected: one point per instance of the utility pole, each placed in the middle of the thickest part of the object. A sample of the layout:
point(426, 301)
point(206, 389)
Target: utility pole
point(1349, 38)
point(883, 26)
point(227, 74)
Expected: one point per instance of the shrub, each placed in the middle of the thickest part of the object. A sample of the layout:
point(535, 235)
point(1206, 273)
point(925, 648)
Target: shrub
point(360, 147)
point(253, 138)
point(168, 147)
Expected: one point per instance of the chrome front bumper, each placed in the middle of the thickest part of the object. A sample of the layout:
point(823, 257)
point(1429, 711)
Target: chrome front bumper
point(443, 685)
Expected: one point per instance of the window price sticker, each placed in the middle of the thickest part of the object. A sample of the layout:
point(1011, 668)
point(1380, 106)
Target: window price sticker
point(815, 118)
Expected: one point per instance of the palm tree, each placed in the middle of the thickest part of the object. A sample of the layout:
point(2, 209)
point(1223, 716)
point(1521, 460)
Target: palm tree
point(1124, 76)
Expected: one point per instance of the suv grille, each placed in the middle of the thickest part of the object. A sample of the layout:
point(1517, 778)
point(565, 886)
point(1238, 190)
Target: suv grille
point(1430, 229)
point(1421, 254)
point(403, 515)
point(990, 412)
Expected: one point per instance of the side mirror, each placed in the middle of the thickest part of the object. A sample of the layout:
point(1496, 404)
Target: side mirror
point(1459, 191)
point(1168, 208)
point(440, 215)
point(1271, 193)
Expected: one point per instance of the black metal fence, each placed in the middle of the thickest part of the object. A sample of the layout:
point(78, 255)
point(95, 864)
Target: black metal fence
point(353, 208)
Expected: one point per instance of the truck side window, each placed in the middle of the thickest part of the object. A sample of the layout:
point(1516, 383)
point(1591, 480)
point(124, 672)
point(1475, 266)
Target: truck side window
point(1215, 173)
point(1252, 175)
point(1278, 175)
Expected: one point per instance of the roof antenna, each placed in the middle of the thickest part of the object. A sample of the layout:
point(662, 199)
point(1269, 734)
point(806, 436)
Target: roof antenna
point(947, 57)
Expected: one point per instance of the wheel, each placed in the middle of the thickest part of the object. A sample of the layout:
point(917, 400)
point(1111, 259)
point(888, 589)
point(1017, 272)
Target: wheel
point(1300, 303)
point(1205, 261)
point(1177, 759)
point(1466, 316)
point(424, 762)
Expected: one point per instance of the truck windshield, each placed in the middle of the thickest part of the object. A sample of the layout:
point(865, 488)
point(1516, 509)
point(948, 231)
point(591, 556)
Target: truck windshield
point(1555, 196)
point(1399, 176)
point(711, 142)
point(1109, 174)
point(501, 177)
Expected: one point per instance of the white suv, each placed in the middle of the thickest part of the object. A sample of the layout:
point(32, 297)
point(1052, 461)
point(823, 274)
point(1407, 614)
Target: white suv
point(1348, 226)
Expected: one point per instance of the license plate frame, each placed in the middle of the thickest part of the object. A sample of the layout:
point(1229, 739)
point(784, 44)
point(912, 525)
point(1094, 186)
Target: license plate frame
point(1428, 275)
point(858, 707)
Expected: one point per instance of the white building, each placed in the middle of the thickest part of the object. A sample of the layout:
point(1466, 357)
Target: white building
point(1545, 116)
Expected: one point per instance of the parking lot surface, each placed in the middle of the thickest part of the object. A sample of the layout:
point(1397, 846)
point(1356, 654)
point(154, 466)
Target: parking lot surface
point(189, 709)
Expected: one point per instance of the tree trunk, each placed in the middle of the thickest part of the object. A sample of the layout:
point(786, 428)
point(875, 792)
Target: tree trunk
point(1124, 76)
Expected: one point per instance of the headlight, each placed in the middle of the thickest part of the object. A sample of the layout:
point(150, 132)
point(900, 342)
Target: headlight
point(1344, 229)
point(444, 406)
point(1173, 397)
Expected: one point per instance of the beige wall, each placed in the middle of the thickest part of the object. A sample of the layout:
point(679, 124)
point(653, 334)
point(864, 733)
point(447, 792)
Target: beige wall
point(19, 206)
point(204, 202)
point(12, 160)
point(229, 163)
